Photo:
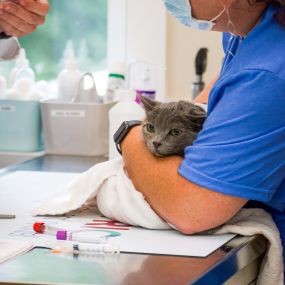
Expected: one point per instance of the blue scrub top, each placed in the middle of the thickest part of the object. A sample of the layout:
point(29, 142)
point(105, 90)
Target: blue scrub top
point(241, 149)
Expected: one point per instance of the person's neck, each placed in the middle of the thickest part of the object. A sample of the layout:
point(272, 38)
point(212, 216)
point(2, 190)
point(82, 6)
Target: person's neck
point(241, 20)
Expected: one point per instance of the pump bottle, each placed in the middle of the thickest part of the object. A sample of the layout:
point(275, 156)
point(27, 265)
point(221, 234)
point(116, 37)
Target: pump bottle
point(143, 78)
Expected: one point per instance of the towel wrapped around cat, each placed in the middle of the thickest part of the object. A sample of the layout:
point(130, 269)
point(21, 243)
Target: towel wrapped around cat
point(115, 195)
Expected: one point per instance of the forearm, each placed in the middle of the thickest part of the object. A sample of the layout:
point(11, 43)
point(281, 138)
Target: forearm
point(145, 172)
point(175, 199)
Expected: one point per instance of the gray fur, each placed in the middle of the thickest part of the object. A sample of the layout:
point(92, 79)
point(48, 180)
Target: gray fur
point(186, 118)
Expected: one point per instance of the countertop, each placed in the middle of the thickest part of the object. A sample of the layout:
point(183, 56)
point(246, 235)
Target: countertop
point(237, 262)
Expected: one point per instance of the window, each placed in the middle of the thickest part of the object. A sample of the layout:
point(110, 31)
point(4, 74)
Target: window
point(84, 23)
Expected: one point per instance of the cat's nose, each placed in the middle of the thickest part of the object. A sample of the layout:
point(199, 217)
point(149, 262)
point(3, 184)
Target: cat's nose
point(156, 145)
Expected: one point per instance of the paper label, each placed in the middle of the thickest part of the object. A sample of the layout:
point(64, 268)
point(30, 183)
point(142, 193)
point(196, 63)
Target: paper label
point(68, 114)
point(7, 108)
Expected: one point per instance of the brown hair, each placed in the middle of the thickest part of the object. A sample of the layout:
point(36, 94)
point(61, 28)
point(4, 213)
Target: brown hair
point(280, 15)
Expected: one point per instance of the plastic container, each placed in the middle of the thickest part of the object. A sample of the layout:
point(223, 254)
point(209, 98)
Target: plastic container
point(125, 110)
point(76, 129)
point(20, 126)
point(87, 91)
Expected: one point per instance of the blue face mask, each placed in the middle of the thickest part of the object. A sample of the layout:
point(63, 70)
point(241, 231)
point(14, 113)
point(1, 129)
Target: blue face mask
point(181, 10)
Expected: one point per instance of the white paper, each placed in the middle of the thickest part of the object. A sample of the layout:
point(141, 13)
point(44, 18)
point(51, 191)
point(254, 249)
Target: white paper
point(20, 192)
point(11, 248)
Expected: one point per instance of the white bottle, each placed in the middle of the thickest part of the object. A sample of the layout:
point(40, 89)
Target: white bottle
point(22, 69)
point(143, 78)
point(69, 78)
point(125, 110)
point(3, 87)
point(116, 81)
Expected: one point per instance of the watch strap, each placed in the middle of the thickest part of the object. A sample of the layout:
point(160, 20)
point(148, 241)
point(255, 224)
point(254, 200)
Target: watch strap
point(123, 130)
point(3, 36)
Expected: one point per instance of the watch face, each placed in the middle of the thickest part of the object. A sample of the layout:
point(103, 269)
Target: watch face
point(124, 129)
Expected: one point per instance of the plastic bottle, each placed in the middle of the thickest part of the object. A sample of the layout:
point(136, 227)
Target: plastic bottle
point(69, 78)
point(22, 69)
point(143, 78)
point(3, 87)
point(24, 89)
point(116, 81)
point(125, 110)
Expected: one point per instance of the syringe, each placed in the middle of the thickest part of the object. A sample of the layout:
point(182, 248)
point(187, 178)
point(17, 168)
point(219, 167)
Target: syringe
point(87, 249)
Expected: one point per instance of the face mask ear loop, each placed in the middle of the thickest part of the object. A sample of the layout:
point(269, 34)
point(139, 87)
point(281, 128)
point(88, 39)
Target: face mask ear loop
point(231, 24)
point(219, 15)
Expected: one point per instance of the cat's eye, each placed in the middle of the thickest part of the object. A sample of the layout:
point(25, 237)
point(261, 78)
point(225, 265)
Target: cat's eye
point(175, 132)
point(150, 128)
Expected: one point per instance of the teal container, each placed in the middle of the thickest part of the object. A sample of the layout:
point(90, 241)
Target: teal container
point(20, 126)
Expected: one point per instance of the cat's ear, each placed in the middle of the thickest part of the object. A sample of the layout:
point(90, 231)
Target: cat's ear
point(148, 104)
point(197, 116)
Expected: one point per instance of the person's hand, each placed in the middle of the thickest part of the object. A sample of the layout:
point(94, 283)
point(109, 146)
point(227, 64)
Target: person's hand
point(21, 17)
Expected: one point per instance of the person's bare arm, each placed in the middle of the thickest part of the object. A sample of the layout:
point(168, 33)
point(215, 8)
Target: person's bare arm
point(187, 206)
point(204, 95)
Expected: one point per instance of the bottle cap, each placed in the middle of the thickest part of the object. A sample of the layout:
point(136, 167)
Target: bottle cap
point(116, 75)
point(39, 227)
point(61, 235)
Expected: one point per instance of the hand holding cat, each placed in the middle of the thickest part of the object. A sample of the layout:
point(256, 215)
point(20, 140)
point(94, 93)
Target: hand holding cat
point(21, 17)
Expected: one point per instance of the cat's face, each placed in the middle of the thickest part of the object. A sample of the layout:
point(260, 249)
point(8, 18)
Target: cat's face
point(170, 127)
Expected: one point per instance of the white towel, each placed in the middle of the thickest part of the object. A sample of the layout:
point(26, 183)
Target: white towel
point(249, 222)
point(117, 199)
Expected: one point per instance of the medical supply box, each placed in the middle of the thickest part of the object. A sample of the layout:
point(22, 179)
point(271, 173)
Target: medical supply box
point(76, 129)
point(20, 126)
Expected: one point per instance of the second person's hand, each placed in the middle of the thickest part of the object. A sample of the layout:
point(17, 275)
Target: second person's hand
point(21, 17)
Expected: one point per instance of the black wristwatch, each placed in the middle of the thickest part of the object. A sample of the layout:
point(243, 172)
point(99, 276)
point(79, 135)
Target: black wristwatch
point(122, 131)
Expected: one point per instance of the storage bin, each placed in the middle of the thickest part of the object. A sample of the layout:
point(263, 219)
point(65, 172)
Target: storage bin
point(76, 128)
point(20, 126)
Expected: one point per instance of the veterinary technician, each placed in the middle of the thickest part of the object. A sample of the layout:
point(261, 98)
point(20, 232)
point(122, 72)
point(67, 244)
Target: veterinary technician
point(239, 155)
point(17, 19)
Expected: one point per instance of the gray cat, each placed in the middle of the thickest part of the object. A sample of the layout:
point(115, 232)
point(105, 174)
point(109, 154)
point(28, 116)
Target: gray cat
point(170, 127)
